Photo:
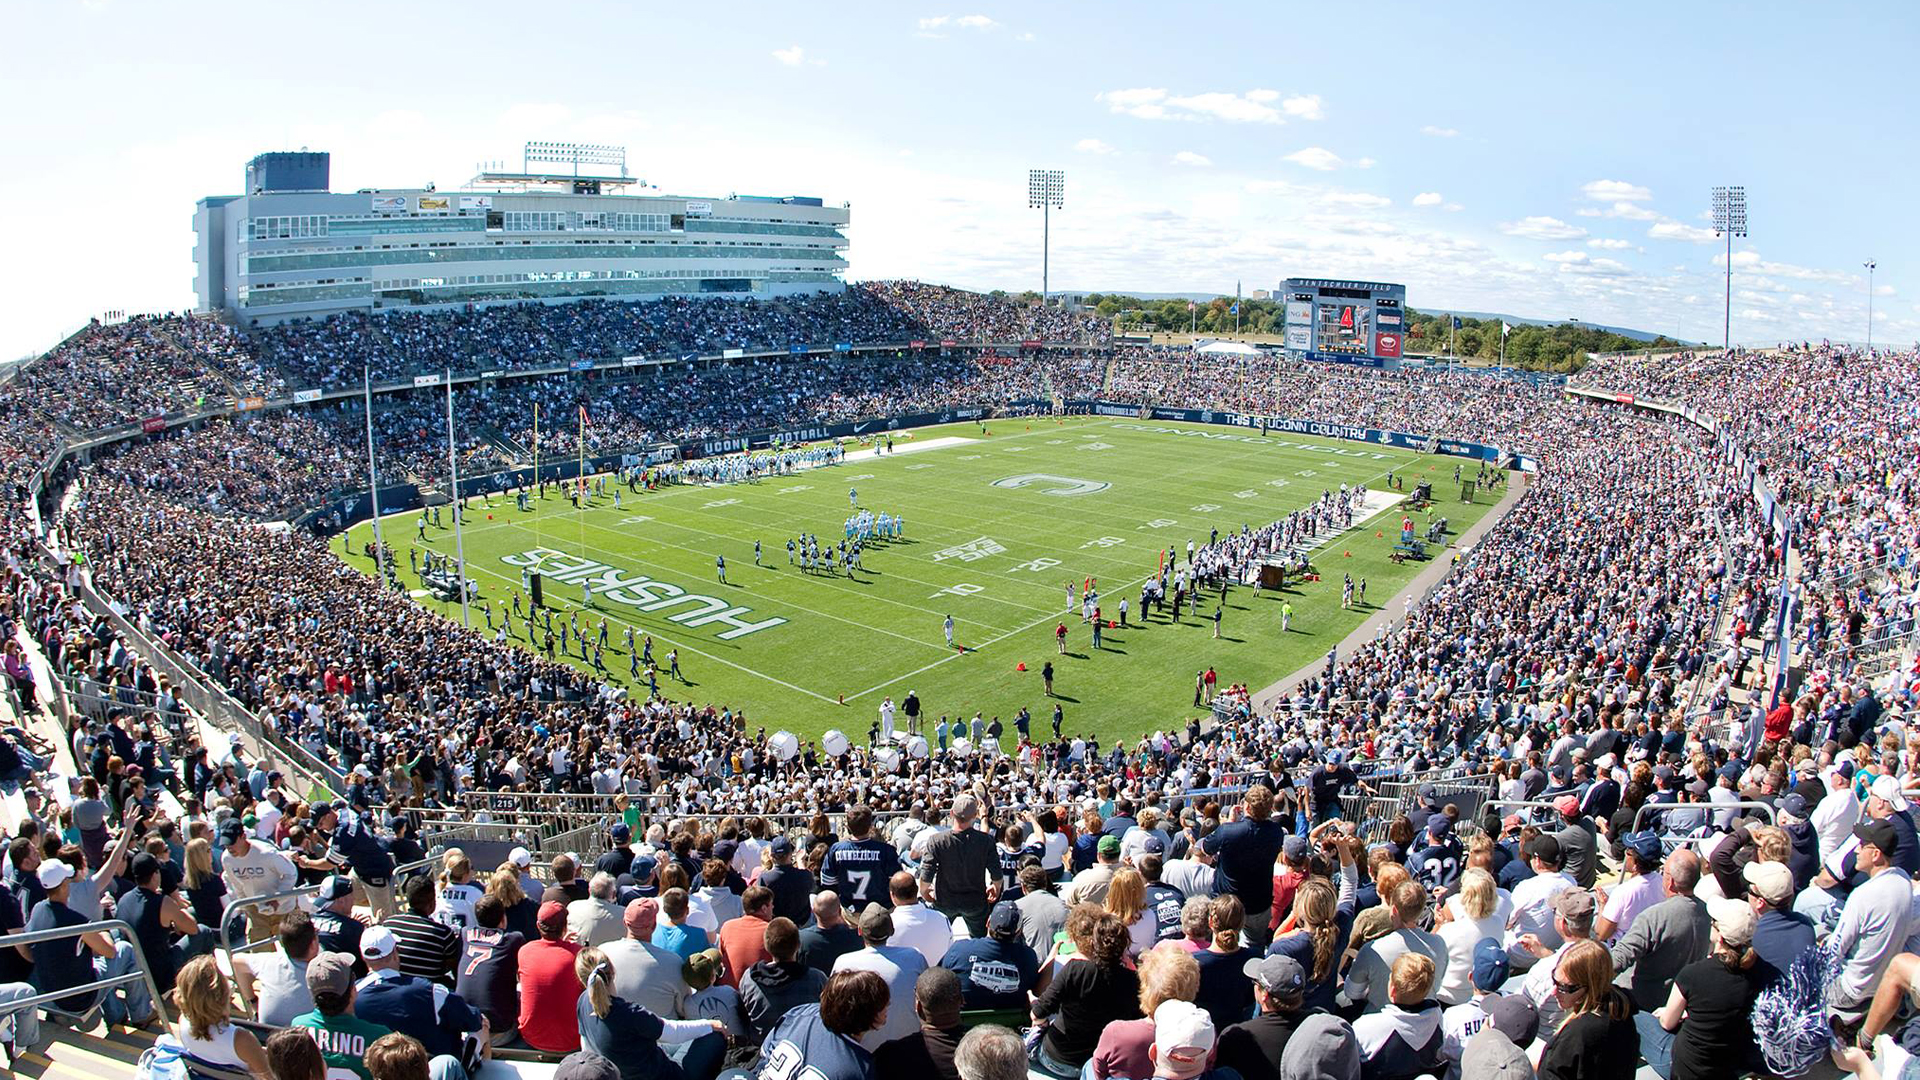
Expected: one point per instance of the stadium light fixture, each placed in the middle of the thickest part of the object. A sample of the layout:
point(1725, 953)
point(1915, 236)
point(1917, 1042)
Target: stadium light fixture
point(1871, 265)
point(574, 154)
point(1046, 192)
point(1729, 220)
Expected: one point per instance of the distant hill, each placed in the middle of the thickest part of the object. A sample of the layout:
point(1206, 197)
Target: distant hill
point(1522, 320)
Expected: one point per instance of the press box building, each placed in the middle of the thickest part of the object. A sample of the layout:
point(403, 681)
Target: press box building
point(290, 247)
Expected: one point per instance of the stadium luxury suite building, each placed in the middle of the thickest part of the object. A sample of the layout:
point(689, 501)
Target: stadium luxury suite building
point(558, 228)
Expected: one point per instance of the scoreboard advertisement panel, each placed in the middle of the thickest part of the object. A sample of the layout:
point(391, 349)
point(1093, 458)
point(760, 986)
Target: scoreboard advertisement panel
point(1353, 322)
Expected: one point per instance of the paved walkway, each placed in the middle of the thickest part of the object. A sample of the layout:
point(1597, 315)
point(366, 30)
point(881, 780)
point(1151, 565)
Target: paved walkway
point(1436, 568)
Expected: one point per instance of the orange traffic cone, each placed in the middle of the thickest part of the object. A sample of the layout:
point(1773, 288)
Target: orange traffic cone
point(1021, 666)
point(1348, 555)
point(1377, 534)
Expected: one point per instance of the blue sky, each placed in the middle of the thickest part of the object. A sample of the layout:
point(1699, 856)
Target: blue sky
point(1545, 160)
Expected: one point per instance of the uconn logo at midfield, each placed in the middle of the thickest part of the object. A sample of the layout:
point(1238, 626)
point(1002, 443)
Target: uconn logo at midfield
point(639, 591)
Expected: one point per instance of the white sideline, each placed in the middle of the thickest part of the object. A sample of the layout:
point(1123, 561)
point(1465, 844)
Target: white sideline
point(912, 447)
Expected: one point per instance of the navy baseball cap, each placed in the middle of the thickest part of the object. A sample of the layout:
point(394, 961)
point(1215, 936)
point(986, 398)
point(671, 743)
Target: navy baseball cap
point(782, 847)
point(1295, 848)
point(1005, 918)
point(1491, 965)
point(621, 834)
point(1644, 845)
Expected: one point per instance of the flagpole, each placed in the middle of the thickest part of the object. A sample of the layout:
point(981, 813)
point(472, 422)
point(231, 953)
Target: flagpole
point(459, 540)
point(583, 457)
point(536, 452)
point(373, 474)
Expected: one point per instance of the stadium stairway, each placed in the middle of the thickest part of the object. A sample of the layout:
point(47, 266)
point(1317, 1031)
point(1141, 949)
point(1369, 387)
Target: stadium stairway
point(510, 449)
point(101, 1053)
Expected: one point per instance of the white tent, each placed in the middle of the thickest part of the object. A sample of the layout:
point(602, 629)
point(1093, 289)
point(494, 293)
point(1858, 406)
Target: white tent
point(1227, 348)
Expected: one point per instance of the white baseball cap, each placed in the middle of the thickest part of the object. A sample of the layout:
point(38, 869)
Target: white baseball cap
point(378, 943)
point(54, 873)
point(520, 857)
point(1183, 1034)
point(1888, 788)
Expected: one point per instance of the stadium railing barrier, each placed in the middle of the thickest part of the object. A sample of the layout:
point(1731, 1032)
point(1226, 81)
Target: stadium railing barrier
point(1671, 841)
point(304, 892)
point(142, 971)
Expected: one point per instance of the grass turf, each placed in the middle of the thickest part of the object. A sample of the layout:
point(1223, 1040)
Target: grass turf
point(880, 634)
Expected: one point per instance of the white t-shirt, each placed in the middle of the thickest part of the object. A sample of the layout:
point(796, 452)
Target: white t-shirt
point(1533, 912)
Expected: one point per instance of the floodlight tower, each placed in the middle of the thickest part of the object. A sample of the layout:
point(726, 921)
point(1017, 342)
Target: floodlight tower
point(1729, 220)
point(1870, 264)
point(1046, 191)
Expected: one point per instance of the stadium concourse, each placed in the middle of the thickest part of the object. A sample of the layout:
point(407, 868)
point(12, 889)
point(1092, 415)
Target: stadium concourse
point(1576, 813)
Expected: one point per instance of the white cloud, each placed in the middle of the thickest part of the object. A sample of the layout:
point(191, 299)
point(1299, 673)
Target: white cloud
point(1305, 107)
point(1674, 230)
point(1253, 107)
point(935, 22)
point(1316, 157)
point(1188, 157)
point(1565, 257)
point(792, 56)
point(1364, 163)
point(975, 22)
point(1428, 198)
point(1092, 146)
point(1358, 200)
point(1579, 262)
point(1631, 212)
point(1615, 191)
point(1609, 243)
point(1439, 132)
point(1542, 228)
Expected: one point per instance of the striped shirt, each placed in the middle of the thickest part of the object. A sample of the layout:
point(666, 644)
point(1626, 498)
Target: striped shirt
point(427, 948)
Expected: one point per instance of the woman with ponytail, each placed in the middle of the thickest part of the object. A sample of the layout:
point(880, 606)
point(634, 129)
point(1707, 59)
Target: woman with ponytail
point(641, 1045)
point(1225, 991)
point(1318, 938)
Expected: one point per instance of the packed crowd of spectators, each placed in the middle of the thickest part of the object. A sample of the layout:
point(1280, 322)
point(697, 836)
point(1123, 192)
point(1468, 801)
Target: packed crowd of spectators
point(1577, 651)
point(110, 374)
point(949, 313)
point(1831, 429)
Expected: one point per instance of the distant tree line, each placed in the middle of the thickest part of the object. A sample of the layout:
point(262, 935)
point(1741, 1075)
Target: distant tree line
point(1558, 347)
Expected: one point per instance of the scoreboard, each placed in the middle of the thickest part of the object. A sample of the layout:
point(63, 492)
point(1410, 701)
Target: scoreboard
point(1351, 322)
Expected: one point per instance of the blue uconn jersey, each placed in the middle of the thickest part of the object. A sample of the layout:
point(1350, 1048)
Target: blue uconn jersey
point(858, 870)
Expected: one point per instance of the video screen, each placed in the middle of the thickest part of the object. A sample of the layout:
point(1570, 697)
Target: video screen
point(1345, 326)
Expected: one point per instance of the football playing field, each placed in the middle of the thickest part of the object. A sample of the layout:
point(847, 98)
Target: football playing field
point(998, 519)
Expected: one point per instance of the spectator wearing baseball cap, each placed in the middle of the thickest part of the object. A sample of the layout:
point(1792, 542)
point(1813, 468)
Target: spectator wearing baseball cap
point(644, 973)
point(252, 868)
point(1579, 843)
point(342, 1036)
point(155, 917)
point(1499, 1050)
point(1640, 890)
point(1253, 1047)
point(1573, 913)
point(896, 965)
point(1183, 1042)
point(1709, 1008)
point(1296, 858)
point(1533, 900)
point(1491, 968)
point(1089, 886)
point(333, 920)
point(548, 986)
point(996, 971)
point(792, 886)
point(1874, 923)
point(440, 1019)
point(1780, 934)
point(1663, 939)
point(65, 963)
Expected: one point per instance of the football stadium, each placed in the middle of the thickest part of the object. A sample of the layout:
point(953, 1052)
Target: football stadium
point(550, 627)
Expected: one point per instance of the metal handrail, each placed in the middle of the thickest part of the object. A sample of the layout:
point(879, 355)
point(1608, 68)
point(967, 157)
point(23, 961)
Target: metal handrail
point(226, 918)
point(1704, 807)
point(142, 970)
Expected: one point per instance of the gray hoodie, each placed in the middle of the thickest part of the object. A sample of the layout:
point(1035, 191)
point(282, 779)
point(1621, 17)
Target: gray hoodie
point(1322, 1048)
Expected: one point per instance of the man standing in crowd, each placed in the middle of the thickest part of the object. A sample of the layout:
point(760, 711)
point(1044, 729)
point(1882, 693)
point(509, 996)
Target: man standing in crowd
point(959, 875)
point(1245, 851)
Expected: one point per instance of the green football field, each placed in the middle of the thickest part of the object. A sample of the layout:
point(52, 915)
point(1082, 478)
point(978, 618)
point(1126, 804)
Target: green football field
point(998, 519)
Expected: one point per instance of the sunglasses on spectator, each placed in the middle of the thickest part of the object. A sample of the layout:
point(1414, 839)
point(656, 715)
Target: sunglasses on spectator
point(1568, 989)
